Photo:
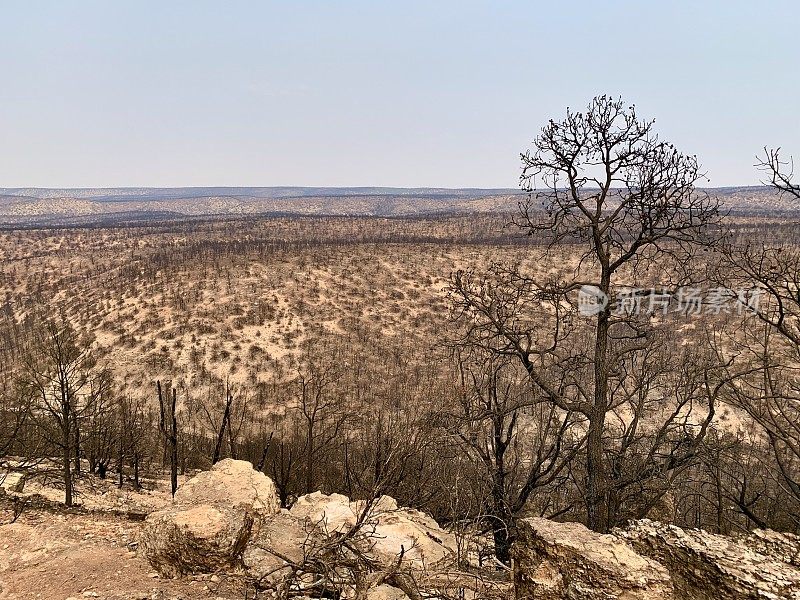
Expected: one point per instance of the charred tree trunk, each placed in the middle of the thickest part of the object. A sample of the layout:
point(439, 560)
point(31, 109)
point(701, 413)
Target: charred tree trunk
point(264, 453)
point(310, 458)
point(77, 443)
point(66, 440)
point(136, 485)
point(503, 520)
point(226, 416)
point(597, 516)
point(168, 425)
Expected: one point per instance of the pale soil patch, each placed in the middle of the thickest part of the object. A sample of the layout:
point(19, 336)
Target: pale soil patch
point(60, 556)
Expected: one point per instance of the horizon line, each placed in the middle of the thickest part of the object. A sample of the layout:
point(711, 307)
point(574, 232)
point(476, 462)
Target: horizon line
point(323, 187)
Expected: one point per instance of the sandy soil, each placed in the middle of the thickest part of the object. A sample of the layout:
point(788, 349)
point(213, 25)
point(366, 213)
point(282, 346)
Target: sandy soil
point(61, 555)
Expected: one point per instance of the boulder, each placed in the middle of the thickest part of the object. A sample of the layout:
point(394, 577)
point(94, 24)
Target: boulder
point(386, 532)
point(566, 560)
point(211, 520)
point(231, 483)
point(279, 543)
point(385, 592)
point(202, 539)
point(331, 513)
point(13, 481)
point(410, 533)
point(706, 566)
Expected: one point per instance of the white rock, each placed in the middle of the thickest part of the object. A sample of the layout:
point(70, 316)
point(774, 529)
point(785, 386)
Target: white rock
point(386, 532)
point(385, 592)
point(210, 521)
point(13, 481)
point(332, 513)
point(567, 560)
point(230, 483)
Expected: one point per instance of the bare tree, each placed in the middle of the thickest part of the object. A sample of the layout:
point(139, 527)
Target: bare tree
point(135, 423)
point(770, 334)
point(15, 414)
point(524, 445)
point(608, 187)
point(395, 451)
point(60, 373)
point(99, 429)
point(322, 414)
point(225, 424)
point(779, 172)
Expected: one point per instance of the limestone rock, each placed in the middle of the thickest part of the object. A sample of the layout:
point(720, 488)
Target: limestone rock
point(420, 540)
point(385, 592)
point(279, 540)
point(231, 483)
point(707, 566)
point(13, 481)
point(210, 521)
point(387, 531)
point(780, 546)
point(566, 560)
point(200, 539)
point(331, 513)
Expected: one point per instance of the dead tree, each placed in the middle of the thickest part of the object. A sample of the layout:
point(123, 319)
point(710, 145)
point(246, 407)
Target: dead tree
point(770, 333)
point(601, 182)
point(134, 428)
point(321, 412)
point(57, 369)
point(522, 444)
point(225, 424)
point(265, 452)
point(99, 431)
point(15, 413)
point(779, 172)
point(168, 425)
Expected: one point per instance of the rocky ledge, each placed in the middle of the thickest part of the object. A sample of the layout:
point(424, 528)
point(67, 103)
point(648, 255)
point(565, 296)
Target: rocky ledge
point(652, 561)
point(228, 519)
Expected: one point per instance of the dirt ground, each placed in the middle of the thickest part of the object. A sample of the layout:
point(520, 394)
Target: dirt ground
point(61, 555)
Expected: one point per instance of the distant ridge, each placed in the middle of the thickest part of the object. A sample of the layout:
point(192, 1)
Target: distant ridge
point(52, 207)
point(161, 193)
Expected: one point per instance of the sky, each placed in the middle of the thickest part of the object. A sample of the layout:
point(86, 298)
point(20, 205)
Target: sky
point(374, 93)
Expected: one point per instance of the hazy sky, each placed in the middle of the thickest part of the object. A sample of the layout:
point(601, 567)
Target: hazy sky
point(434, 93)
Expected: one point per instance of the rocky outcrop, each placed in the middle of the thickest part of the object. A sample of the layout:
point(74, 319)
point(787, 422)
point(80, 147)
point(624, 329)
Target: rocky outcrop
point(229, 517)
point(385, 592)
point(210, 521)
point(781, 546)
point(12, 481)
point(231, 483)
point(705, 566)
point(276, 546)
point(566, 560)
point(387, 532)
point(649, 560)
